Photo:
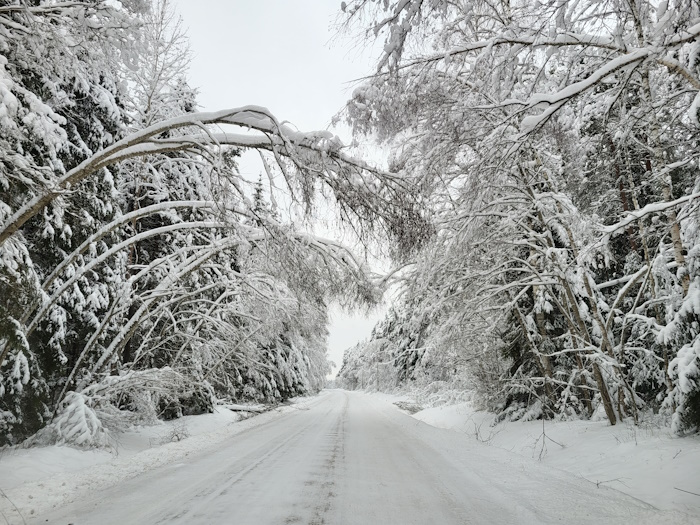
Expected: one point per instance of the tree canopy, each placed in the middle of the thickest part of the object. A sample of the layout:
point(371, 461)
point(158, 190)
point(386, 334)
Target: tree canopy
point(556, 143)
point(141, 275)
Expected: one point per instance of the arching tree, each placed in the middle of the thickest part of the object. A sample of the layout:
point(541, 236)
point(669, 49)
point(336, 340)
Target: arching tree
point(553, 141)
point(136, 247)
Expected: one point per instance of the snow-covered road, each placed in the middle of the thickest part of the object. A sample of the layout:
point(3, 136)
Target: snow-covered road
point(349, 458)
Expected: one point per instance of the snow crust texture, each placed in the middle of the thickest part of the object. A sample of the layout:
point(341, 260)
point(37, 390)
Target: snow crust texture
point(340, 458)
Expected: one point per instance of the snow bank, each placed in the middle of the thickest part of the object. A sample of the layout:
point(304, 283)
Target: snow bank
point(647, 462)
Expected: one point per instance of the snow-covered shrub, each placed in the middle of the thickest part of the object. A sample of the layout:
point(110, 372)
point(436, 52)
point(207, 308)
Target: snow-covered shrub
point(178, 431)
point(88, 418)
point(77, 424)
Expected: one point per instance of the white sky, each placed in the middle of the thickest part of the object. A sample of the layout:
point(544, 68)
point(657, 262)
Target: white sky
point(281, 54)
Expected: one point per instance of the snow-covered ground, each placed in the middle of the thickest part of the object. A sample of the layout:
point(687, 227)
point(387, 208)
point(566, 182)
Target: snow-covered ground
point(355, 458)
point(647, 461)
point(35, 480)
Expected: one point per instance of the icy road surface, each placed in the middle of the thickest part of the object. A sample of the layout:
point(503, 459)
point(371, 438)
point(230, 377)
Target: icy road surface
point(347, 458)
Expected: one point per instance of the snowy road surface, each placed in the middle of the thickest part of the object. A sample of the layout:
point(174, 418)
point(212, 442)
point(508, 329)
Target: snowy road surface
point(348, 458)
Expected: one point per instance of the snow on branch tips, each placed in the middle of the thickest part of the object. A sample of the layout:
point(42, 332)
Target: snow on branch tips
point(129, 240)
point(317, 154)
point(556, 147)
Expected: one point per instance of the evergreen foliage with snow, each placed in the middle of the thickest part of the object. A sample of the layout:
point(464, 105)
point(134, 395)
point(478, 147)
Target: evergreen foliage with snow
point(541, 206)
point(557, 145)
point(141, 276)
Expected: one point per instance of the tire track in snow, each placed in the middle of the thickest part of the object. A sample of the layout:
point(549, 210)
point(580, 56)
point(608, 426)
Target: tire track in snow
point(353, 460)
point(250, 464)
point(319, 492)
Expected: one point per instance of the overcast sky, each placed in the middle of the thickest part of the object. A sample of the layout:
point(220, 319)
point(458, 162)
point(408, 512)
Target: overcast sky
point(284, 55)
